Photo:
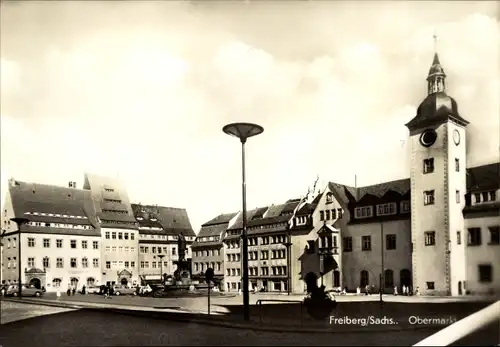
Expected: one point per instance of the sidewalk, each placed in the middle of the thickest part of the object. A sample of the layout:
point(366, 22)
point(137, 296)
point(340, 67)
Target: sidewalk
point(355, 316)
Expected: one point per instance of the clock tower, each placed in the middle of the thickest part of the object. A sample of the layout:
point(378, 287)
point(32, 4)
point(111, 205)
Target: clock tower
point(438, 186)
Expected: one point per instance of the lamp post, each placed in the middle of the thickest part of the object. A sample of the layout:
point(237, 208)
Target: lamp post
point(288, 245)
point(243, 131)
point(161, 267)
point(1, 255)
point(19, 221)
point(382, 260)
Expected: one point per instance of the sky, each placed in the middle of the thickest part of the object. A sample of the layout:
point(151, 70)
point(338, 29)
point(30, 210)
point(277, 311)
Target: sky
point(141, 91)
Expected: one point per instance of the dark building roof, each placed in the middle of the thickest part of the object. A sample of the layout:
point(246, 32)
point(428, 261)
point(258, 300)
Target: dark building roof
point(172, 220)
point(108, 193)
point(484, 177)
point(437, 107)
point(49, 199)
point(238, 224)
point(222, 218)
point(479, 178)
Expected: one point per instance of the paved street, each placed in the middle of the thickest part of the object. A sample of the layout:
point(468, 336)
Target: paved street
point(65, 327)
point(90, 328)
point(12, 311)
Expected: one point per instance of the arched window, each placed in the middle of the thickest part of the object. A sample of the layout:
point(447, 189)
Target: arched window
point(364, 278)
point(389, 278)
point(74, 281)
point(90, 281)
point(56, 282)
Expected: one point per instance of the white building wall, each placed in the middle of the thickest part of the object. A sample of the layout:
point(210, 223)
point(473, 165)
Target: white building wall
point(116, 252)
point(483, 254)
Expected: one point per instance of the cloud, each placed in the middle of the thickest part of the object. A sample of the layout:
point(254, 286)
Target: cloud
point(145, 90)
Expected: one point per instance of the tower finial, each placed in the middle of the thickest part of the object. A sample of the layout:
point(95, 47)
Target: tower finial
point(435, 41)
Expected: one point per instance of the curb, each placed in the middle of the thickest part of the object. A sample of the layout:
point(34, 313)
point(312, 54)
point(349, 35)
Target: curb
point(219, 321)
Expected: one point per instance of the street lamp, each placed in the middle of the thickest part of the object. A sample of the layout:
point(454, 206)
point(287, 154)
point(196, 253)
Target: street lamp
point(288, 245)
point(161, 267)
point(19, 221)
point(243, 131)
point(382, 284)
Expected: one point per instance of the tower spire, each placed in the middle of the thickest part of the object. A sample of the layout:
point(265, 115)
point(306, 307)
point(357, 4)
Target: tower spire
point(436, 77)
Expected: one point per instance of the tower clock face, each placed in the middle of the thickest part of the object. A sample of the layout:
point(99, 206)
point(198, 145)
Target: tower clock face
point(456, 137)
point(428, 138)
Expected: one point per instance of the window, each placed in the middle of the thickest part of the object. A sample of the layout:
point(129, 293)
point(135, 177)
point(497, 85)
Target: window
point(405, 206)
point(429, 197)
point(59, 263)
point(132, 264)
point(31, 242)
point(364, 280)
point(85, 262)
point(46, 243)
point(218, 266)
point(493, 195)
point(73, 262)
point(428, 165)
point(329, 197)
point(173, 250)
point(107, 235)
point(153, 265)
point(347, 246)
point(477, 197)
point(474, 237)
point(120, 236)
point(366, 243)
point(31, 262)
point(321, 215)
point(494, 235)
point(95, 262)
point(84, 244)
point(95, 244)
point(132, 236)
point(59, 243)
point(56, 282)
point(363, 212)
point(459, 238)
point(386, 209)
point(113, 235)
point(108, 265)
point(340, 212)
point(389, 278)
point(485, 273)
point(125, 236)
point(457, 165)
point(390, 241)
point(430, 238)
point(327, 214)
point(46, 263)
point(430, 285)
point(334, 214)
point(457, 196)
point(73, 243)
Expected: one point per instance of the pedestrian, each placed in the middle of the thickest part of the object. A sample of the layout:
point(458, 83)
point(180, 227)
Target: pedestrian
point(395, 290)
point(404, 290)
point(410, 291)
point(69, 291)
point(58, 293)
point(73, 291)
point(417, 291)
point(83, 290)
point(358, 291)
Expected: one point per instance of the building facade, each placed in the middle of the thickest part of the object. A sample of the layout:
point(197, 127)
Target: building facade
point(159, 230)
point(437, 231)
point(208, 249)
point(90, 236)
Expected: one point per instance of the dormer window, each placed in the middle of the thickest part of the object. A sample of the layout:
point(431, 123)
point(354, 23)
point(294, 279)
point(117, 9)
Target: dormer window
point(329, 198)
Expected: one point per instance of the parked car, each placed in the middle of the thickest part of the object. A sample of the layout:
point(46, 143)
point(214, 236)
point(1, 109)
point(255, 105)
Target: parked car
point(124, 290)
point(93, 289)
point(26, 291)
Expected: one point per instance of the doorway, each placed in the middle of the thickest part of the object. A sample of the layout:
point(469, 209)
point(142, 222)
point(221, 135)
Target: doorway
point(311, 281)
point(336, 278)
point(124, 281)
point(460, 288)
point(35, 282)
point(405, 278)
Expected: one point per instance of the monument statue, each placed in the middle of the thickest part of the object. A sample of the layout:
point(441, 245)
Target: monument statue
point(181, 245)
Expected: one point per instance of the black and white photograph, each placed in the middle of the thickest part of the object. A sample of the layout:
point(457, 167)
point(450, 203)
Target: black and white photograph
point(250, 173)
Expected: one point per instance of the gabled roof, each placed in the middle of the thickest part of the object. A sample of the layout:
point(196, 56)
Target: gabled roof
point(51, 199)
point(484, 177)
point(172, 220)
point(259, 213)
point(238, 224)
point(221, 219)
point(400, 186)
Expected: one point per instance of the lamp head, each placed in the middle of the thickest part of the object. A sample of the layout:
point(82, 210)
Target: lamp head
point(20, 220)
point(243, 130)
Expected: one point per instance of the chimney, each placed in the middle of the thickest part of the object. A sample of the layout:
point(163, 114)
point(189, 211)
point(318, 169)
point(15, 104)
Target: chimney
point(70, 184)
point(74, 184)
